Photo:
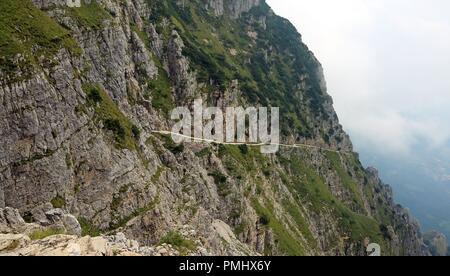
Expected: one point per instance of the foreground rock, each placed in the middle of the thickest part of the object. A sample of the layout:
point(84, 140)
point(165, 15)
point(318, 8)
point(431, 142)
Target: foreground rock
point(18, 238)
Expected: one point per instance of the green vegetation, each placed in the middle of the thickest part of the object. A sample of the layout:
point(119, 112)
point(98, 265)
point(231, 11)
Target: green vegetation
point(125, 133)
point(178, 241)
point(346, 179)
point(308, 184)
point(287, 243)
point(219, 178)
point(204, 152)
point(170, 144)
point(88, 229)
point(58, 202)
point(221, 182)
point(136, 132)
point(159, 89)
point(300, 222)
point(26, 30)
point(220, 50)
point(312, 188)
point(121, 222)
point(244, 159)
point(244, 149)
point(161, 93)
point(44, 233)
point(90, 15)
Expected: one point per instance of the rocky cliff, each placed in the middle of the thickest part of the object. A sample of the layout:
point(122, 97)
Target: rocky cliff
point(83, 89)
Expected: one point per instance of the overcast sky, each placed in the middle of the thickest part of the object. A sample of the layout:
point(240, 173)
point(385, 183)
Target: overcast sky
point(387, 64)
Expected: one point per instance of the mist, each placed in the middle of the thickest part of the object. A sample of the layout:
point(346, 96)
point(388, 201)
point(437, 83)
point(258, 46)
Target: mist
point(387, 66)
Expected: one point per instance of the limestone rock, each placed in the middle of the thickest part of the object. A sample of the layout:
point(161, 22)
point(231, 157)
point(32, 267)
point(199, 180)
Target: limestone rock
point(55, 143)
point(71, 225)
point(10, 220)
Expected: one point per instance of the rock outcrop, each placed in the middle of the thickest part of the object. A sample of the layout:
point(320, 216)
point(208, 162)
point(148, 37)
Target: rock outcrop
point(18, 238)
point(437, 242)
point(234, 8)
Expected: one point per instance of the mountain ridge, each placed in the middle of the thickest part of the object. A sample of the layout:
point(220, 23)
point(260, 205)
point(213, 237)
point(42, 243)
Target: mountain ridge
point(82, 98)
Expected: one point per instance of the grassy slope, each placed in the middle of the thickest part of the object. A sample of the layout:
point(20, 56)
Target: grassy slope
point(112, 118)
point(26, 30)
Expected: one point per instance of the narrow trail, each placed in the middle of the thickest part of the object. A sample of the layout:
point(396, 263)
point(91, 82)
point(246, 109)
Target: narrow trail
point(163, 132)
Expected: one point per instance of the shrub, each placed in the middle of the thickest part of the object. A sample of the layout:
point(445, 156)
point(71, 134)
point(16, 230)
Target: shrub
point(176, 239)
point(136, 132)
point(204, 152)
point(243, 149)
point(115, 126)
point(94, 95)
point(58, 202)
point(87, 228)
point(219, 178)
point(264, 219)
point(44, 233)
point(170, 144)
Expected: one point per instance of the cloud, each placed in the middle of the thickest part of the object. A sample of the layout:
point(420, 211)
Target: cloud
point(387, 67)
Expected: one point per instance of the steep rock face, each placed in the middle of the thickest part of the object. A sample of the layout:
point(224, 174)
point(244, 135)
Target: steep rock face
point(235, 8)
point(437, 242)
point(216, 6)
point(76, 128)
point(238, 7)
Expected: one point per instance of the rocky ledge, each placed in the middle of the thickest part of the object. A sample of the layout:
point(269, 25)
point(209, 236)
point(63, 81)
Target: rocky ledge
point(63, 237)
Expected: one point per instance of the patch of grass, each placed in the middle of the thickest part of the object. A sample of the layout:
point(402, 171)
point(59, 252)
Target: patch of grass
point(241, 228)
point(170, 144)
point(125, 133)
point(58, 202)
point(26, 30)
point(346, 179)
point(177, 240)
point(312, 188)
point(90, 15)
point(286, 242)
point(42, 234)
point(308, 185)
point(161, 93)
point(219, 178)
point(359, 226)
point(300, 223)
point(204, 152)
point(248, 159)
point(88, 229)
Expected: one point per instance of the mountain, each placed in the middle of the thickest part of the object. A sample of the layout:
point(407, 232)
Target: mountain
point(84, 88)
point(437, 243)
point(420, 181)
